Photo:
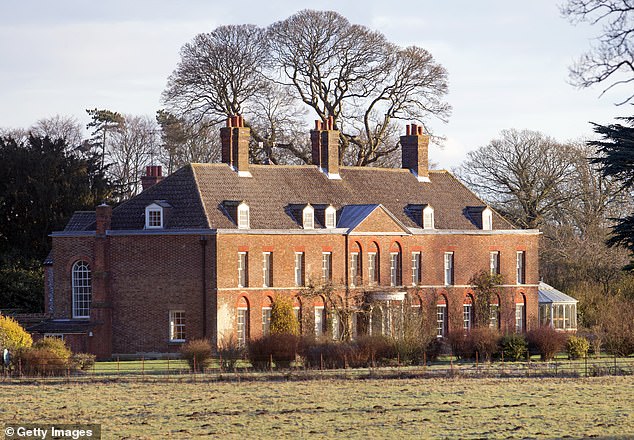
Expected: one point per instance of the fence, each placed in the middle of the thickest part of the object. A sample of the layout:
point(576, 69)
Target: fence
point(179, 370)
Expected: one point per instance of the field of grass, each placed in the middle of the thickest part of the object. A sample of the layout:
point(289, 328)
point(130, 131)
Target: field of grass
point(393, 408)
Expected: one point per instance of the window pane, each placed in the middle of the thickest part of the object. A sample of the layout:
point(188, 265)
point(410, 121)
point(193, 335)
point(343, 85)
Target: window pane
point(82, 289)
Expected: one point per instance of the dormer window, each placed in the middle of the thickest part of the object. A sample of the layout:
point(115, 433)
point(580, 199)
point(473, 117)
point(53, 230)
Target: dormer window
point(331, 217)
point(243, 216)
point(308, 216)
point(487, 219)
point(428, 217)
point(154, 216)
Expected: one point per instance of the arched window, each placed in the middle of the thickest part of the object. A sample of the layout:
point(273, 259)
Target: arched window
point(82, 289)
point(356, 274)
point(331, 217)
point(244, 218)
point(441, 317)
point(395, 265)
point(520, 313)
point(320, 316)
point(428, 217)
point(308, 217)
point(487, 219)
point(243, 322)
point(297, 311)
point(374, 264)
point(267, 306)
point(467, 313)
point(494, 321)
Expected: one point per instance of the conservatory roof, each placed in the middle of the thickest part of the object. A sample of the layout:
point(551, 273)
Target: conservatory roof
point(548, 294)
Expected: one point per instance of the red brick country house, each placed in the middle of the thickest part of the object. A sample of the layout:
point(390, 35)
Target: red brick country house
point(204, 252)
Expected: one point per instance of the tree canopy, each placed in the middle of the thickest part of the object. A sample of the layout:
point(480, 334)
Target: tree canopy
point(610, 61)
point(316, 61)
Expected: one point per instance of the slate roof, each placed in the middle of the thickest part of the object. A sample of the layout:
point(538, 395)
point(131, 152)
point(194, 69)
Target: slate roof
point(80, 221)
point(548, 294)
point(196, 193)
point(61, 326)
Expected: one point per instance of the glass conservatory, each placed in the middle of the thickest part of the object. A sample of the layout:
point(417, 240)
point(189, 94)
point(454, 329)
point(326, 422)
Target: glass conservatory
point(557, 309)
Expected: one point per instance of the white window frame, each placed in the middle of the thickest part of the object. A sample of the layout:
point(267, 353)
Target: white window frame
point(373, 276)
point(308, 217)
point(466, 316)
point(519, 317)
point(354, 268)
point(244, 216)
point(267, 269)
point(320, 319)
point(416, 268)
point(266, 320)
point(494, 262)
point(428, 218)
point(243, 269)
point(150, 216)
point(494, 316)
point(520, 266)
point(441, 320)
point(242, 325)
point(395, 263)
point(487, 219)
point(81, 280)
point(331, 217)
point(449, 268)
point(177, 328)
point(300, 278)
point(326, 267)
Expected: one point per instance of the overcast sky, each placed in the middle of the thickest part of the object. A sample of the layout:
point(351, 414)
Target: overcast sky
point(507, 60)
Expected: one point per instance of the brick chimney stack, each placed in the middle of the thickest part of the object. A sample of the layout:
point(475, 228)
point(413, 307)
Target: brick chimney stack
point(414, 148)
point(104, 218)
point(235, 145)
point(325, 147)
point(153, 175)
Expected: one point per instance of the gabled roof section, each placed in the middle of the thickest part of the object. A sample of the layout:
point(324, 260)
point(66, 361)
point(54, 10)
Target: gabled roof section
point(359, 218)
point(81, 221)
point(178, 191)
point(548, 294)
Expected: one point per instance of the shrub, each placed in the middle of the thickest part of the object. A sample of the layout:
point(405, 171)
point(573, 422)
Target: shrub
point(409, 351)
point(198, 354)
point(48, 356)
point(513, 346)
point(12, 335)
point(433, 350)
point(230, 353)
point(546, 341)
point(282, 348)
point(283, 318)
point(485, 341)
point(457, 342)
point(577, 347)
point(82, 361)
point(371, 350)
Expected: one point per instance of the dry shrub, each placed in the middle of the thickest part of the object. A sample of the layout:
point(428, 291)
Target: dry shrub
point(485, 341)
point(230, 353)
point(82, 361)
point(282, 348)
point(546, 341)
point(47, 357)
point(198, 354)
point(458, 342)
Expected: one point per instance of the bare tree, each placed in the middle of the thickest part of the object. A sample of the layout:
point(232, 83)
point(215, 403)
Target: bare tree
point(218, 72)
point(131, 148)
point(355, 75)
point(611, 59)
point(524, 174)
point(60, 127)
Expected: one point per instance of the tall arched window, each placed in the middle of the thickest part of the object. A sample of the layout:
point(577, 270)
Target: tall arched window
point(243, 322)
point(82, 289)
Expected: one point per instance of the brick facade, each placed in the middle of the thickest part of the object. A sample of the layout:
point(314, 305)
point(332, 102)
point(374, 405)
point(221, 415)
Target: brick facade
point(148, 284)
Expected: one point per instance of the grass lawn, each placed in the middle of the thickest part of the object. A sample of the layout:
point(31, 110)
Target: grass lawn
point(393, 408)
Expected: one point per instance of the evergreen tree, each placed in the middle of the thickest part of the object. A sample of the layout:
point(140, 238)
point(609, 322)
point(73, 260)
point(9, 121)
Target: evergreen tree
point(616, 159)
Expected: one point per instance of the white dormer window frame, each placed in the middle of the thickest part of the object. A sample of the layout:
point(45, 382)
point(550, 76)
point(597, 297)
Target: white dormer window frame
point(244, 217)
point(331, 217)
point(308, 217)
point(154, 216)
point(487, 219)
point(428, 218)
